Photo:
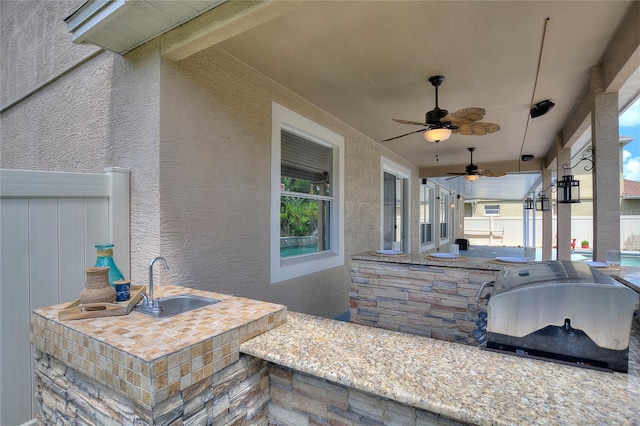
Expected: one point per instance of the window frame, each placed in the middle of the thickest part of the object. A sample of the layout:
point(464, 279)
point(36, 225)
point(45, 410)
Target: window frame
point(285, 269)
point(427, 185)
point(486, 207)
point(391, 167)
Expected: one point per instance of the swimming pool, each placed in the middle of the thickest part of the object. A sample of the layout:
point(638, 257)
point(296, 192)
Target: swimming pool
point(297, 251)
point(627, 258)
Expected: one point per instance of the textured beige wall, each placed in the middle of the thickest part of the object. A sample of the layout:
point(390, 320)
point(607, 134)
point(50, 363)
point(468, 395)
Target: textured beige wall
point(215, 184)
point(103, 113)
point(35, 45)
point(196, 137)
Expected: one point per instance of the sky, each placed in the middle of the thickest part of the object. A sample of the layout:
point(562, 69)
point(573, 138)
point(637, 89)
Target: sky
point(629, 124)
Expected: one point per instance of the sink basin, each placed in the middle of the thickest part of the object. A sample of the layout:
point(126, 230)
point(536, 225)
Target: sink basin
point(174, 305)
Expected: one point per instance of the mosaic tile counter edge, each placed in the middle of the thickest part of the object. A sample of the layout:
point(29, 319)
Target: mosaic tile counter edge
point(456, 381)
point(149, 359)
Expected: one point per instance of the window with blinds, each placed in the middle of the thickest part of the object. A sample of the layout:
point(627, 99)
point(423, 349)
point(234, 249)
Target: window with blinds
point(307, 201)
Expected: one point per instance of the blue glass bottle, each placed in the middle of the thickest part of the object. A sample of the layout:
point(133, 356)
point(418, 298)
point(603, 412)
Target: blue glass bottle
point(105, 258)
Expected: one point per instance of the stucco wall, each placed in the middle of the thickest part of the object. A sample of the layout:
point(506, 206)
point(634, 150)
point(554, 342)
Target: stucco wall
point(94, 114)
point(196, 137)
point(36, 46)
point(215, 184)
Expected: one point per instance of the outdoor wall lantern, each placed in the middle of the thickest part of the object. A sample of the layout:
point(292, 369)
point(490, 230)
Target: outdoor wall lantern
point(568, 187)
point(542, 202)
point(528, 203)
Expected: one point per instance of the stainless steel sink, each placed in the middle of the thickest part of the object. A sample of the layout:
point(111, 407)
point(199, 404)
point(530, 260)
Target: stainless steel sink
point(174, 305)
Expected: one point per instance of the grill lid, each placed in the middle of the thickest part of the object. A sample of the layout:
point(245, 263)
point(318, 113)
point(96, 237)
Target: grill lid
point(528, 298)
point(551, 272)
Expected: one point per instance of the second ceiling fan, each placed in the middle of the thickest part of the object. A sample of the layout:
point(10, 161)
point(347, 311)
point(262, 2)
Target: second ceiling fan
point(472, 172)
point(439, 124)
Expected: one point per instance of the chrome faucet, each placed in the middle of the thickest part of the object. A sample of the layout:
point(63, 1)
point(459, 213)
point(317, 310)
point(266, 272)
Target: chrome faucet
point(148, 303)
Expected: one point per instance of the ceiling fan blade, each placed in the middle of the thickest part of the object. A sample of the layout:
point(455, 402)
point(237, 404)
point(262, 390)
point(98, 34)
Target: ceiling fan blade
point(457, 120)
point(453, 177)
point(472, 113)
point(406, 134)
point(491, 127)
point(464, 130)
point(478, 129)
point(457, 173)
point(489, 173)
point(409, 122)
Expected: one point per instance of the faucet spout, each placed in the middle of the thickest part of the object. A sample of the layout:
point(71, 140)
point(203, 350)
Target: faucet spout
point(150, 302)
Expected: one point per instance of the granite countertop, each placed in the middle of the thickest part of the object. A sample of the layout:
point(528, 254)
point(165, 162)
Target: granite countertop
point(629, 275)
point(456, 381)
point(420, 259)
point(149, 358)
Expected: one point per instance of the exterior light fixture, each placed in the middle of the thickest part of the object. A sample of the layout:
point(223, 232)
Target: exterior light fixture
point(570, 186)
point(528, 203)
point(471, 178)
point(438, 134)
point(569, 190)
point(542, 203)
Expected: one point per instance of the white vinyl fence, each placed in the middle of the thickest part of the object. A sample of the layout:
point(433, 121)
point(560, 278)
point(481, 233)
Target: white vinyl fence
point(508, 231)
point(49, 223)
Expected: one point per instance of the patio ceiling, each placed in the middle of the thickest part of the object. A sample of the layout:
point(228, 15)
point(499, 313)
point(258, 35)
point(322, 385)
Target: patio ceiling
point(366, 62)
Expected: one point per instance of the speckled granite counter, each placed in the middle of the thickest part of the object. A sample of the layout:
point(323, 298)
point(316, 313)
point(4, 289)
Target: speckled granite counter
point(150, 359)
point(456, 381)
point(419, 259)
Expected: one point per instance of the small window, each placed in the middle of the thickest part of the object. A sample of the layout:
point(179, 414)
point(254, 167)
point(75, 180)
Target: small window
point(307, 211)
point(492, 210)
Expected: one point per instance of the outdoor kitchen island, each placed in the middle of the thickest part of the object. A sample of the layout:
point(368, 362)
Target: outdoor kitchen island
point(203, 367)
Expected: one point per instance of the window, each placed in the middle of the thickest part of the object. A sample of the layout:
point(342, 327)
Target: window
point(307, 211)
point(426, 215)
point(395, 205)
point(492, 210)
point(444, 214)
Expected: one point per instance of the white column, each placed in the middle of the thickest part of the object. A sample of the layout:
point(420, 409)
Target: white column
point(606, 173)
point(547, 219)
point(564, 210)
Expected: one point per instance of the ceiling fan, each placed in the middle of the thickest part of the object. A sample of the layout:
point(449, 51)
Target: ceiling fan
point(472, 172)
point(439, 124)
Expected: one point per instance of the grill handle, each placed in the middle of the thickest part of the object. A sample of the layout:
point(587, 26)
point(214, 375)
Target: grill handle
point(481, 289)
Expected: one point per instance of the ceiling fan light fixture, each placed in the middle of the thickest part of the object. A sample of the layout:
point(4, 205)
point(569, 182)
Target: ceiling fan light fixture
point(471, 178)
point(437, 135)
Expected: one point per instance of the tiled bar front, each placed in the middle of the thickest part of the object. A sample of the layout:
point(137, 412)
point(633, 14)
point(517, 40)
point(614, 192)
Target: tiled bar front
point(151, 370)
point(412, 295)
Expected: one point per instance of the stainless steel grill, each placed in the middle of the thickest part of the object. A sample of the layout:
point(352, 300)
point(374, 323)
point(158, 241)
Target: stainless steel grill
point(561, 310)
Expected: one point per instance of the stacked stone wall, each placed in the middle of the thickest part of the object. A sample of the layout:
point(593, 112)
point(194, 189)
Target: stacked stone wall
point(300, 399)
point(431, 301)
point(236, 395)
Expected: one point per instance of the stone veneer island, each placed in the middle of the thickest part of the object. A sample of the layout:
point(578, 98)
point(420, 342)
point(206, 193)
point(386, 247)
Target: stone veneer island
point(245, 362)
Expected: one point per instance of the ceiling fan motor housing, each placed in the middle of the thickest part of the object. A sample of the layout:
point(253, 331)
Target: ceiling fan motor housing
point(434, 116)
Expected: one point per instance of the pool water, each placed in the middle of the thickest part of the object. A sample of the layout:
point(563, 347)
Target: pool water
point(297, 251)
point(626, 260)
